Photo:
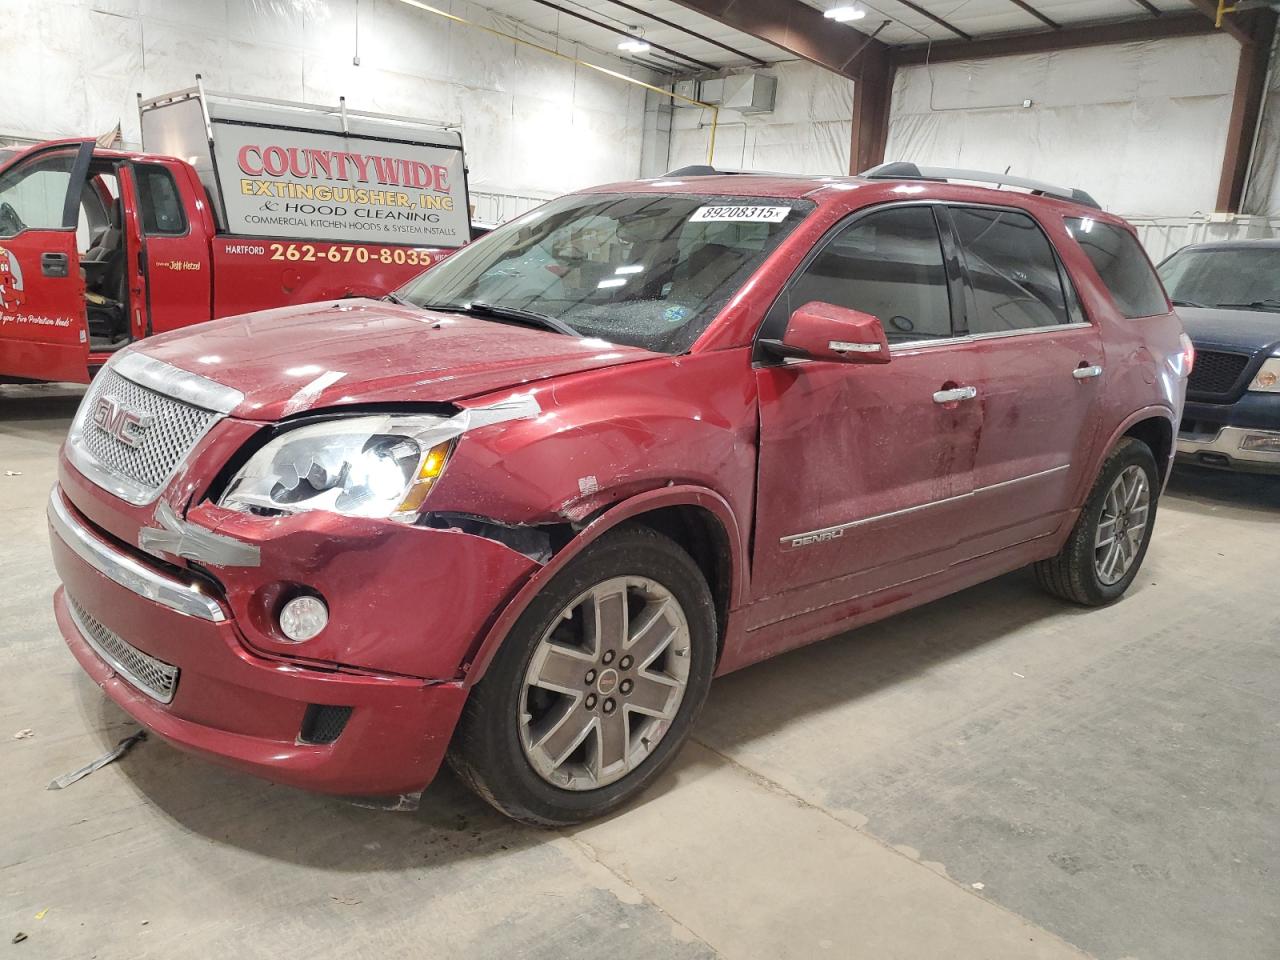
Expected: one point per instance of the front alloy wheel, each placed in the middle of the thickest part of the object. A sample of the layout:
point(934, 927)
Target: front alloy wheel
point(596, 686)
point(605, 683)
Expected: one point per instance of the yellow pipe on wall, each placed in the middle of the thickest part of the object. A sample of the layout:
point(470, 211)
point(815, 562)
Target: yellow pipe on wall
point(715, 111)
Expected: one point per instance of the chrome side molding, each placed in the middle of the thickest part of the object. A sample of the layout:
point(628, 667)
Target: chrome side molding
point(807, 539)
point(185, 598)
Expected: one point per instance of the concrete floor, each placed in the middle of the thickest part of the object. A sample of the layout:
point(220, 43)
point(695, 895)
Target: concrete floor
point(996, 775)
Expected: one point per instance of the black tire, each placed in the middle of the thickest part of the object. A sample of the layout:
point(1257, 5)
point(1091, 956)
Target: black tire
point(1072, 574)
point(486, 751)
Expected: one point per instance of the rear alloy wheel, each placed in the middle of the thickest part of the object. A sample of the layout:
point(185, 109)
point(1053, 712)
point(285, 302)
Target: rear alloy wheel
point(596, 686)
point(1121, 530)
point(1111, 535)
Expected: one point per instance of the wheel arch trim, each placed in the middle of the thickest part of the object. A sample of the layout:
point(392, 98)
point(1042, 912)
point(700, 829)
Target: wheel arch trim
point(1154, 412)
point(638, 505)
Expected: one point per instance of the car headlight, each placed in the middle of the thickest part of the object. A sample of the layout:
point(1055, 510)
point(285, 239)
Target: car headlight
point(378, 466)
point(1267, 379)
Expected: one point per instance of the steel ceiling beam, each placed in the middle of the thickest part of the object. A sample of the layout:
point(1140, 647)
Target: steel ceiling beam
point(937, 19)
point(1239, 27)
point(623, 33)
point(1047, 41)
point(803, 31)
point(1021, 5)
point(1246, 109)
point(800, 30)
point(691, 32)
point(872, 99)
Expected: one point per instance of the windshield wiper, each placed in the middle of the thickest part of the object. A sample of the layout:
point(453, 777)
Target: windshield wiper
point(396, 298)
point(1269, 304)
point(477, 308)
point(1189, 303)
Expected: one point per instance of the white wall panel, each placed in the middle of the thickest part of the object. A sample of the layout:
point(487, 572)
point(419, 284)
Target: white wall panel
point(532, 123)
point(807, 132)
point(1262, 192)
point(1141, 126)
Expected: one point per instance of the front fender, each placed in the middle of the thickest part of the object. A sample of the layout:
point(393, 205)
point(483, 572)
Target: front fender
point(683, 495)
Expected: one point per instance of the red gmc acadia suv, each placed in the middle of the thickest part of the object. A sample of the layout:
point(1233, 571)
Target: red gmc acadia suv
point(520, 513)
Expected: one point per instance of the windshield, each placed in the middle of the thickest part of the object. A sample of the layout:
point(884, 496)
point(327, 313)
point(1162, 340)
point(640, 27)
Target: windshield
point(1241, 279)
point(645, 270)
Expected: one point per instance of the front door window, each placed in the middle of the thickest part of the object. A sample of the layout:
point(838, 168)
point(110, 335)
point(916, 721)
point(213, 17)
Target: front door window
point(890, 265)
point(33, 196)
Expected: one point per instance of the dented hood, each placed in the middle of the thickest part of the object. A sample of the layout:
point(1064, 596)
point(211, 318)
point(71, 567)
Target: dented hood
point(328, 354)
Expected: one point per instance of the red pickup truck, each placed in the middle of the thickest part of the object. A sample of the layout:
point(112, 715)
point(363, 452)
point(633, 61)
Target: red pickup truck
point(274, 205)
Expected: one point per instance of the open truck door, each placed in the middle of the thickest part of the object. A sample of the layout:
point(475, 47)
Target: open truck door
point(44, 332)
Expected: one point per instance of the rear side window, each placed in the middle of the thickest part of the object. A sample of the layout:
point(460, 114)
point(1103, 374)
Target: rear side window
point(162, 213)
point(1123, 267)
point(887, 264)
point(1013, 271)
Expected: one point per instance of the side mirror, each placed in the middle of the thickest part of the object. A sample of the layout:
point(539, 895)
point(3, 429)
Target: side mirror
point(824, 331)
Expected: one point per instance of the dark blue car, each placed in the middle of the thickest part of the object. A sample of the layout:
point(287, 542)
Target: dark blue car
point(1228, 296)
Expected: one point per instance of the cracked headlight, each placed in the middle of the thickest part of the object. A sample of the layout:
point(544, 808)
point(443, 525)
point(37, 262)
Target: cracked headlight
point(378, 466)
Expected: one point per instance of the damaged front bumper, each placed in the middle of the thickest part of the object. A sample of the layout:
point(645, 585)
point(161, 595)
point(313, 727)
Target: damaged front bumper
point(195, 658)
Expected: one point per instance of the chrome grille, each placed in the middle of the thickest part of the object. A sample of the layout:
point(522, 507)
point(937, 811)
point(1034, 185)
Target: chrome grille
point(173, 429)
point(153, 677)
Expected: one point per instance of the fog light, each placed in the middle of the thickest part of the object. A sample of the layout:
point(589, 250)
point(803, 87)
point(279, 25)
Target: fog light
point(1261, 442)
point(303, 618)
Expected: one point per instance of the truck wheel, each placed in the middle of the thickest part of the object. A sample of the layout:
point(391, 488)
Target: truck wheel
point(596, 686)
point(1106, 547)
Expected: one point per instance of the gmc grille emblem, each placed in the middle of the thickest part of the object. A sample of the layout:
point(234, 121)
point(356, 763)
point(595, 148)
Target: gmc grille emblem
point(117, 420)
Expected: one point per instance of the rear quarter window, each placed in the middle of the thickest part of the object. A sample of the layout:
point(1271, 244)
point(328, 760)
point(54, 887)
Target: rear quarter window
point(1125, 270)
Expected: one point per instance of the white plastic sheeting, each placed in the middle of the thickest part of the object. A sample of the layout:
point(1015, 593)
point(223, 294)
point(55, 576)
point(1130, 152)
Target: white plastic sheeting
point(807, 132)
point(1140, 126)
point(1262, 192)
point(532, 123)
point(1165, 235)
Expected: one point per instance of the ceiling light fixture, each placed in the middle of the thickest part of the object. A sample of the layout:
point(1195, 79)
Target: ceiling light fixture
point(634, 45)
point(844, 14)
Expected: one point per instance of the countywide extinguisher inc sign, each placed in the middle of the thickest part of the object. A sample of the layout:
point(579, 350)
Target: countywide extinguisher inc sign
point(311, 185)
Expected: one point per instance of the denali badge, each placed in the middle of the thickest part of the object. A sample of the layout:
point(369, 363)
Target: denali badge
point(807, 539)
point(124, 423)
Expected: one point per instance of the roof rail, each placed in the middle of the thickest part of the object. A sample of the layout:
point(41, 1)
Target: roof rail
point(904, 170)
point(696, 170)
point(703, 170)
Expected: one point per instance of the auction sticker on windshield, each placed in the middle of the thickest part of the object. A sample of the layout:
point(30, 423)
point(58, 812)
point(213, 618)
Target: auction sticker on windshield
point(739, 214)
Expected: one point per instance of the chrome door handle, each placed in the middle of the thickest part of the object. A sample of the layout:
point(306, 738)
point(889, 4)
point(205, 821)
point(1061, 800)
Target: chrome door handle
point(1084, 373)
point(958, 393)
